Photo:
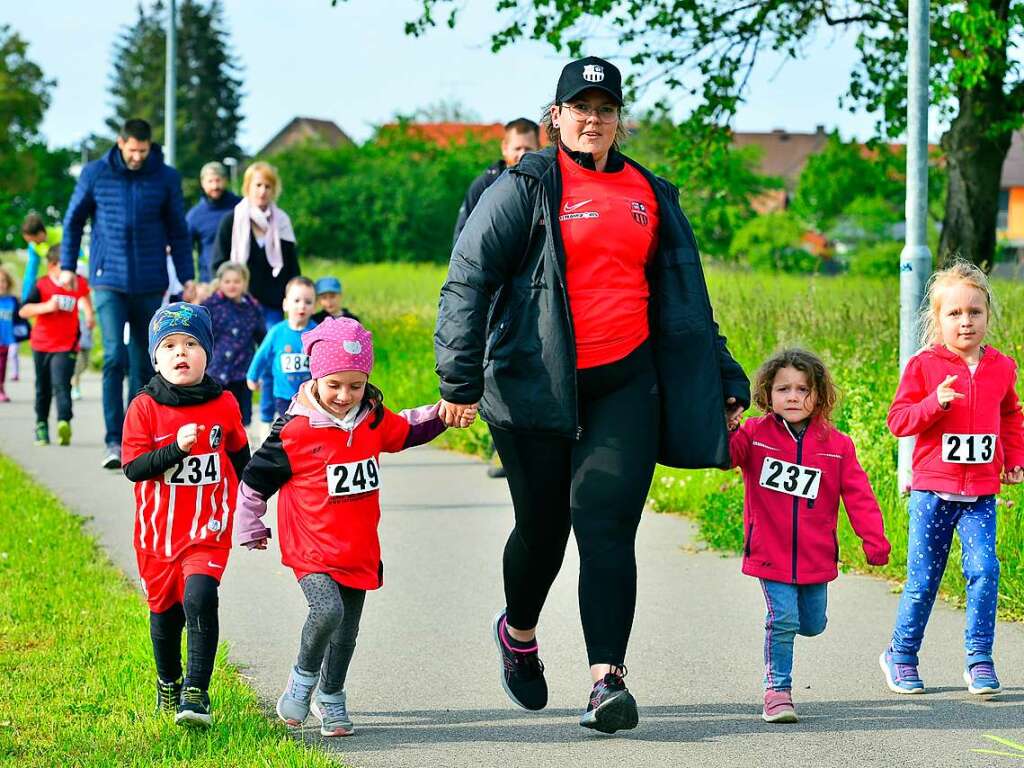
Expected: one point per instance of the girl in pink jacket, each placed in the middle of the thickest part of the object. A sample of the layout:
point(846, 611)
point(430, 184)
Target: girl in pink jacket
point(796, 468)
point(957, 397)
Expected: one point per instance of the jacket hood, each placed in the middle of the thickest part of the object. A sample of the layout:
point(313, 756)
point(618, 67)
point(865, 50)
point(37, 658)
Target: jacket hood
point(304, 404)
point(940, 351)
point(152, 164)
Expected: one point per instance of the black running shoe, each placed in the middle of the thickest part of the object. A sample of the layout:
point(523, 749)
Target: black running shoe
point(194, 709)
point(522, 671)
point(612, 707)
point(168, 696)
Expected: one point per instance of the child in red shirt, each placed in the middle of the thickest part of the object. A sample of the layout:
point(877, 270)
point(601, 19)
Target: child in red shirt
point(796, 468)
point(958, 397)
point(55, 343)
point(323, 455)
point(184, 447)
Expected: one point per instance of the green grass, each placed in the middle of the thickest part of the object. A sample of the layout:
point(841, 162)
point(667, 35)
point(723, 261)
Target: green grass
point(76, 666)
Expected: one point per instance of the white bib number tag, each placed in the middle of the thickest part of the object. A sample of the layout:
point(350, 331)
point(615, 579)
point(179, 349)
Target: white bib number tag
point(200, 469)
point(352, 478)
point(66, 303)
point(294, 362)
point(968, 449)
point(794, 479)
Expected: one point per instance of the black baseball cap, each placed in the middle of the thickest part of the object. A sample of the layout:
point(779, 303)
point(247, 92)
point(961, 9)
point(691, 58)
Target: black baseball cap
point(591, 72)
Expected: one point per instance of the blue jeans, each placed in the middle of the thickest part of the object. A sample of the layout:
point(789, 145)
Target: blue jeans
point(793, 609)
point(114, 309)
point(267, 406)
point(932, 522)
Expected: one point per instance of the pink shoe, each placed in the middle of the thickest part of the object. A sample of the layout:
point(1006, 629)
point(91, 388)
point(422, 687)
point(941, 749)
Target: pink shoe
point(4, 398)
point(778, 707)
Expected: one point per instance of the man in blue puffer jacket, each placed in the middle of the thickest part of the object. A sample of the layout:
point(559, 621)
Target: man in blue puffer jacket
point(137, 210)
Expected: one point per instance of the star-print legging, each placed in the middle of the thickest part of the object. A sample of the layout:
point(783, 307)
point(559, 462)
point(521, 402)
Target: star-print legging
point(932, 522)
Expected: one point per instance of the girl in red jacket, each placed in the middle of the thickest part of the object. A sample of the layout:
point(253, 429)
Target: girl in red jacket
point(323, 456)
point(957, 397)
point(796, 467)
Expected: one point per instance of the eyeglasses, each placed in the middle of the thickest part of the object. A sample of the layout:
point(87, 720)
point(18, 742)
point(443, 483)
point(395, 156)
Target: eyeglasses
point(581, 112)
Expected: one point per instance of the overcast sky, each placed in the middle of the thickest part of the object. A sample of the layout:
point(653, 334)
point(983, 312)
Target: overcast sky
point(353, 64)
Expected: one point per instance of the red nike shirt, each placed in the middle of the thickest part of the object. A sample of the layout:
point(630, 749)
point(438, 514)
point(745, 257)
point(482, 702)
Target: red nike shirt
point(194, 501)
point(609, 226)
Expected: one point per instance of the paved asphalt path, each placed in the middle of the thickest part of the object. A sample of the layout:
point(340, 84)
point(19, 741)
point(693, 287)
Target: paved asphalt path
point(424, 688)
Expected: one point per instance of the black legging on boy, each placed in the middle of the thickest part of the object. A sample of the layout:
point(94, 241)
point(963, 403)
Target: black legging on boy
point(329, 634)
point(198, 613)
point(597, 485)
point(53, 380)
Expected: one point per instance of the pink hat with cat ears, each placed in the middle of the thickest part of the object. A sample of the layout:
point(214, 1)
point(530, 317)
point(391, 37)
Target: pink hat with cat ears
point(338, 344)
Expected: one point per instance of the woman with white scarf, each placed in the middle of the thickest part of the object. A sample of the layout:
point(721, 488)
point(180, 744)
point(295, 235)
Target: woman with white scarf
point(259, 234)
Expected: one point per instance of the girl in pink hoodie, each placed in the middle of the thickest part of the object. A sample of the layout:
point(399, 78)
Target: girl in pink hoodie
point(957, 397)
point(796, 468)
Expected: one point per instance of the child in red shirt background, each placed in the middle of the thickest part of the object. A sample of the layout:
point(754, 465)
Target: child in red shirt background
point(958, 397)
point(796, 469)
point(323, 457)
point(55, 343)
point(184, 447)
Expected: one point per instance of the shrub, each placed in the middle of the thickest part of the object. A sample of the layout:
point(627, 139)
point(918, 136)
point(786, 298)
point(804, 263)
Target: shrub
point(771, 243)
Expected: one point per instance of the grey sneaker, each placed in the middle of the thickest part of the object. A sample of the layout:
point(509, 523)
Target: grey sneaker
point(330, 709)
point(293, 706)
point(112, 459)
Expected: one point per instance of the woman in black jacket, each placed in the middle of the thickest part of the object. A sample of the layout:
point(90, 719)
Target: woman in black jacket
point(575, 312)
point(259, 234)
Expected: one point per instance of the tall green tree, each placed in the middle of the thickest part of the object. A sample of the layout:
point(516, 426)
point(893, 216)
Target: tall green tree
point(717, 183)
point(32, 177)
point(209, 86)
point(709, 48)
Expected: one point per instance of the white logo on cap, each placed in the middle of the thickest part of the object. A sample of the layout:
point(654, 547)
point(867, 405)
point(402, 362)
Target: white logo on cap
point(352, 347)
point(593, 73)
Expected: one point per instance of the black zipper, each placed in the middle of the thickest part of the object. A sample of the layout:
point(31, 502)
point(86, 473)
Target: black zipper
point(750, 538)
point(796, 499)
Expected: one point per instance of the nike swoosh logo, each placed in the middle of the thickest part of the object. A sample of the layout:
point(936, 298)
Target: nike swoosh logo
point(571, 208)
point(214, 565)
point(163, 437)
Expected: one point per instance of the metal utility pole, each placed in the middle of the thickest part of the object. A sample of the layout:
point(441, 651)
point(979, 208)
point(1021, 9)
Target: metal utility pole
point(915, 259)
point(170, 92)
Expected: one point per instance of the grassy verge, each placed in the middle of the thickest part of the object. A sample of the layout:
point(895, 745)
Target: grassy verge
point(76, 668)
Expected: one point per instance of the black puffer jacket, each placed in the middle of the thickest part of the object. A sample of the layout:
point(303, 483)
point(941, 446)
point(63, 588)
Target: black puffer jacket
point(504, 332)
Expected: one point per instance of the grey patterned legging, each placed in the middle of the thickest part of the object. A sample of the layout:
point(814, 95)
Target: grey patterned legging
point(329, 634)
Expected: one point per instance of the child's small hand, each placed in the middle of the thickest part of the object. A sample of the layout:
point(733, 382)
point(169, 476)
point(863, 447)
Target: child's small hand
point(253, 385)
point(733, 413)
point(467, 418)
point(945, 392)
point(188, 435)
point(1014, 476)
point(257, 544)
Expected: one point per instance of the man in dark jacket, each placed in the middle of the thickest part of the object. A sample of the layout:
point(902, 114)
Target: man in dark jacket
point(137, 211)
point(204, 217)
point(521, 136)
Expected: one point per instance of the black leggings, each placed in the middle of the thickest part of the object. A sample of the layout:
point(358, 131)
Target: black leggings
point(597, 485)
point(53, 379)
point(198, 612)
